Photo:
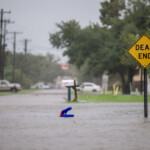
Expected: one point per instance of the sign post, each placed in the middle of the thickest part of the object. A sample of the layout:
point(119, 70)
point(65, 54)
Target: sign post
point(145, 94)
point(141, 52)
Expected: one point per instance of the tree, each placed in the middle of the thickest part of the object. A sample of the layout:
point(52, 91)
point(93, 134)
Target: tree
point(98, 47)
point(37, 68)
point(111, 11)
point(66, 35)
point(138, 12)
point(121, 31)
point(105, 49)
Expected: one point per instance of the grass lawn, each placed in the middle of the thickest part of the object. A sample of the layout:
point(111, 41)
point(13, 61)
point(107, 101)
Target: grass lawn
point(20, 92)
point(112, 98)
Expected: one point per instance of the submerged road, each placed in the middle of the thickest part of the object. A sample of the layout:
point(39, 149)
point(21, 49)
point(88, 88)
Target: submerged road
point(32, 122)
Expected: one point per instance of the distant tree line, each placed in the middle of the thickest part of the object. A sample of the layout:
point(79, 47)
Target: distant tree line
point(32, 69)
point(104, 48)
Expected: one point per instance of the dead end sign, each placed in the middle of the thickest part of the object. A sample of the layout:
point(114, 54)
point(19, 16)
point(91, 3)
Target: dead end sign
point(141, 51)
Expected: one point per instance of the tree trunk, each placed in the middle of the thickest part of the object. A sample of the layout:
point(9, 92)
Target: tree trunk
point(126, 88)
point(126, 79)
point(125, 84)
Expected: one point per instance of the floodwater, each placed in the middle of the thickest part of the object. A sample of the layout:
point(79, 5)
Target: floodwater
point(32, 122)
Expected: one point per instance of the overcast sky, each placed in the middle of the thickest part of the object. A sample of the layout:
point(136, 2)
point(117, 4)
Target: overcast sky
point(37, 18)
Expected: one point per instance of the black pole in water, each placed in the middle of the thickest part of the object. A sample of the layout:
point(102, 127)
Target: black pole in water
point(145, 94)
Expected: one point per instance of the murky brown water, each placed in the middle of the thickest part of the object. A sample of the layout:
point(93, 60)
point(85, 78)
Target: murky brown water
point(32, 122)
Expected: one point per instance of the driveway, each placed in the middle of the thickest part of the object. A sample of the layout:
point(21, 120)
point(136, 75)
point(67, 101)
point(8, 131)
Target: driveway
point(32, 122)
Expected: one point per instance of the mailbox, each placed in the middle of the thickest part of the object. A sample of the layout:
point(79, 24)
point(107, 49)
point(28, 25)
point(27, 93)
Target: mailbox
point(68, 83)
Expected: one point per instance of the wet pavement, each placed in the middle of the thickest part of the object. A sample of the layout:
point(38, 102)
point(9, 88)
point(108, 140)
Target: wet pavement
point(32, 122)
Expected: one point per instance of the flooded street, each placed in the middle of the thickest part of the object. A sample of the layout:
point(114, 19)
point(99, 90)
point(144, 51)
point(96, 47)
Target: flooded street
point(32, 122)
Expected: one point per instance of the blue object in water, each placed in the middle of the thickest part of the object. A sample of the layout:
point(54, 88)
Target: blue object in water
point(67, 115)
point(66, 110)
point(63, 113)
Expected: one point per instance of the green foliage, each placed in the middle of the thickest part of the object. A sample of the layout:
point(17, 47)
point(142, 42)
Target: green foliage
point(111, 11)
point(66, 35)
point(85, 74)
point(138, 11)
point(34, 69)
point(8, 72)
point(105, 48)
point(111, 98)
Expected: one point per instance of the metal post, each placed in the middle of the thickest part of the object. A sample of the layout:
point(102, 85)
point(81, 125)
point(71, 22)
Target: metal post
point(145, 94)
point(141, 89)
point(69, 93)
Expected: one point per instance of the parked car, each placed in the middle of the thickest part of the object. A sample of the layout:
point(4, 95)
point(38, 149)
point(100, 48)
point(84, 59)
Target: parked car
point(41, 85)
point(88, 86)
point(7, 86)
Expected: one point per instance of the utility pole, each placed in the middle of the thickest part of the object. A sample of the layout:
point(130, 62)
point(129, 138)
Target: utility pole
point(4, 42)
point(1, 44)
point(25, 49)
point(24, 59)
point(1, 49)
point(14, 54)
